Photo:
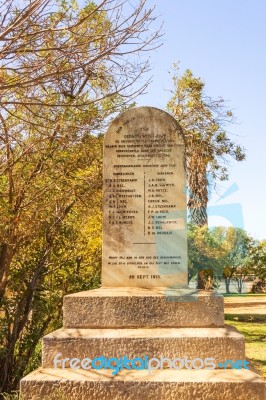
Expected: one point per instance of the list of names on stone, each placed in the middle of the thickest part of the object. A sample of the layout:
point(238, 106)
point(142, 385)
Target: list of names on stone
point(144, 201)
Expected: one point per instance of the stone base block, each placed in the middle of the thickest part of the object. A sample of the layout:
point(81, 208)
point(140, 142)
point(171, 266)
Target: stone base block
point(67, 384)
point(218, 343)
point(134, 307)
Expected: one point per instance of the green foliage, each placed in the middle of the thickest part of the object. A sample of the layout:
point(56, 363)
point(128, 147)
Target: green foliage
point(253, 327)
point(56, 236)
point(220, 252)
point(65, 71)
point(257, 259)
point(14, 395)
point(204, 123)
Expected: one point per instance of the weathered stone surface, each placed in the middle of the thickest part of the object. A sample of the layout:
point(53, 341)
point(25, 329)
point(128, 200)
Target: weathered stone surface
point(133, 307)
point(131, 385)
point(144, 207)
point(218, 343)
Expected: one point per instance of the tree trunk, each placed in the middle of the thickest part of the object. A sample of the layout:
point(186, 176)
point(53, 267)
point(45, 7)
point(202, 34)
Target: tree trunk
point(6, 255)
point(227, 285)
point(201, 280)
point(197, 203)
point(239, 285)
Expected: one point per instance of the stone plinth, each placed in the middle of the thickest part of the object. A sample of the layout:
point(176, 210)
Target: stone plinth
point(225, 343)
point(127, 385)
point(136, 307)
point(135, 323)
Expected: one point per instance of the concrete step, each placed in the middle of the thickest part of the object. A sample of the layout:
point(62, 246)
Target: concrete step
point(134, 307)
point(69, 384)
point(219, 343)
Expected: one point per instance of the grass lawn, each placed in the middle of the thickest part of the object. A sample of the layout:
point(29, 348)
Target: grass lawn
point(253, 327)
point(243, 294)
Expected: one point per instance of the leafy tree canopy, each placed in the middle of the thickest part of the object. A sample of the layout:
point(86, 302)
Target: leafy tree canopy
point(205, 122)
point(65, 70)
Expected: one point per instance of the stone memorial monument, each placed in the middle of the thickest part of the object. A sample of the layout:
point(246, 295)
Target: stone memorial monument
point(144, 309)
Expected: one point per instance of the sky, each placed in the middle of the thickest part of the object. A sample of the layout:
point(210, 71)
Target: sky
point(224, 43)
